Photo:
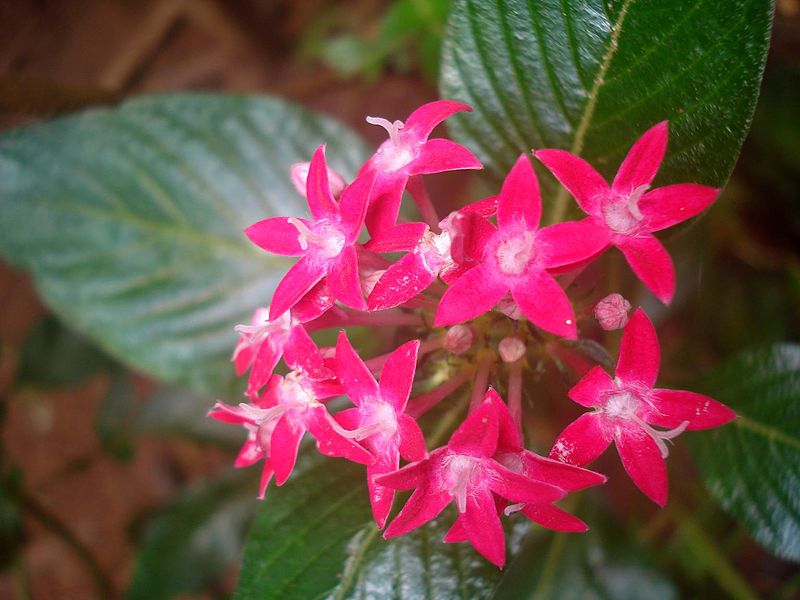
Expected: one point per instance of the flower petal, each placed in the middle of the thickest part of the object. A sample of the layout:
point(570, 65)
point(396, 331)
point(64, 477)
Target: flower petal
point(483, 528)
point(582, 441)
point(380, 497)
point(477, 435)
point(519, 200)
point(354, 375)
point(283, 446)
point(266, 359)
point(330, 442)
point(571, 242)
point(302, 353)
point(439, 155)
point(554, 518)
point(343, 280)
point(277, 235)
point(248, 455)
point(412, 475)
point(544, 303)
point(643, 462)
point(424, 120)
point(666, 206)
point(590, 389)
point(471, 295)
point(412, 441)
point(643, 160)
point(318, 191)
point(384, 204)
point(578, 176)
point(639, 353)
point(519, 488)
point(397, 375)
point(353, 206)
point(266, 476)
point(298, 280)
point(651, 263)
point(567, 477)
point(673, 407)
point(404, 280)
point(424, 505)
point(400, 238)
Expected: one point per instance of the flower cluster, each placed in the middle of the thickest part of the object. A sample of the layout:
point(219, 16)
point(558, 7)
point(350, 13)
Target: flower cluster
point(477, 293)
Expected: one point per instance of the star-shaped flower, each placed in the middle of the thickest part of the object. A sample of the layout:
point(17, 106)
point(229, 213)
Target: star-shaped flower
point(408, 152)
point(326, 244)
point(511, 453)
point(516, 258)
point(379, 420)
point(287, 408)
point(466, 472)
point(627, 409)
point(628, 210)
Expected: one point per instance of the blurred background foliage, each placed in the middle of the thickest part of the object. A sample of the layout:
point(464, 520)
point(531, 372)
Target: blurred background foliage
point(114, 484)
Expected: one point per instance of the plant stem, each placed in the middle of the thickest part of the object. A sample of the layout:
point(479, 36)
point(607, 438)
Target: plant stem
point(515, 392)
point(484, 365)
point(421, 404)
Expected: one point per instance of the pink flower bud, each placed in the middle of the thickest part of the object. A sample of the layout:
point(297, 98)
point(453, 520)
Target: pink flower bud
point(612, 312)
point(459, 339)
point(509, 308)
point(511, 349)
point(299, 175)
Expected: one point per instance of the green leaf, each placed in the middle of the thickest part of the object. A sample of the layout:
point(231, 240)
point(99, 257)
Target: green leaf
point(603, 563)
point(591, 76)
point(752, 465)
point(174, 411)
point(315, 538)
point(131, 220)
point(196, 539)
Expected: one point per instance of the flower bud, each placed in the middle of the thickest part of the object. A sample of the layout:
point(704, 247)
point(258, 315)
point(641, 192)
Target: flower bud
point(511, 349)
point(509, 308)
point(612, 312)
point(459, 339)
point(299, 175)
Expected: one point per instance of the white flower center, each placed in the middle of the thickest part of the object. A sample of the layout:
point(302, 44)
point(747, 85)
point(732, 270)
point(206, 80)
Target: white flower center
point(623, 405)
point(622, 214)
point(461, 470)
point(514, 254)
point(395, 155)
point(327, 237)
point(434, 250)
point(379, 419)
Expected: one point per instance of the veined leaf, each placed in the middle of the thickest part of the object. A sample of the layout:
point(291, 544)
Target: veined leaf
point(752, 465)
point(131, 220)
point(590, 76)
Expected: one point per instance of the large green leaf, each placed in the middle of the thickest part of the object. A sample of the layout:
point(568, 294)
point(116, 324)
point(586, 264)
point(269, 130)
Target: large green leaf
point(606, 562)
point(591, 75)
point(753, 465)
point(131, 220)
point(315, 538)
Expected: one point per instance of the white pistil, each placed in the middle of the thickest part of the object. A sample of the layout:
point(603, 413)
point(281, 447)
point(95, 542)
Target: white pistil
point(624, 405)
point(514, 254)
point(392, 129)
point(461, 469)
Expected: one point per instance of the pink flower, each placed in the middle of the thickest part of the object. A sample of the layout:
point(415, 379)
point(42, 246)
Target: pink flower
point(511, 453)
point(627, 409)
point(288, 407)
point(326, 244)
point(409, 152)
point(298, 173)
point(516, 257)
point(446, 255)
point(379, 420)
point(612, 312)
point(261, 343)
point(466, 472)
point(628, 211)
